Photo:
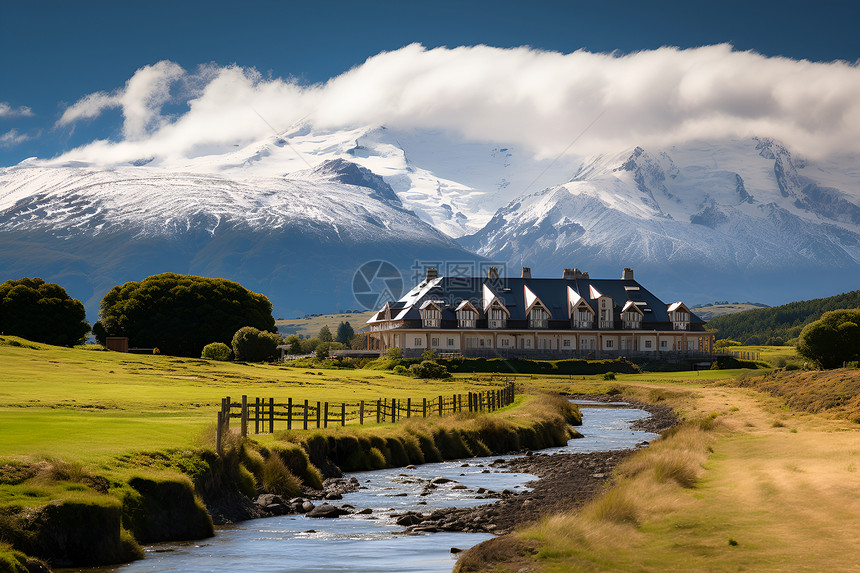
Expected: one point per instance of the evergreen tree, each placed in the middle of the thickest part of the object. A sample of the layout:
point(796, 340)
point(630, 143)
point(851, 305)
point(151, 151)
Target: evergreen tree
point(345, 332)
point(325, 334)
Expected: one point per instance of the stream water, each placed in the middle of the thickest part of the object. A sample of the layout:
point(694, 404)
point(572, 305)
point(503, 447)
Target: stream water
point(372, 543)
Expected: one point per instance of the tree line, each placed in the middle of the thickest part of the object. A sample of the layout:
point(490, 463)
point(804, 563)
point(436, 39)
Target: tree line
point(753, 327)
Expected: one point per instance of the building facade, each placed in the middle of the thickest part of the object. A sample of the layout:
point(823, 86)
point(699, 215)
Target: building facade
point(573, 316)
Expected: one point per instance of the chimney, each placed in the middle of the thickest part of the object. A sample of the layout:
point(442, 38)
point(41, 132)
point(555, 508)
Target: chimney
point(493, 273)
point(572, 274)
point(527, 272)
point(627, 274)
point(432, 273)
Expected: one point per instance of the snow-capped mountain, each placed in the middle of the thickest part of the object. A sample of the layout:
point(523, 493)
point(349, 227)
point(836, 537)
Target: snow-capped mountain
point(298, 239)
point(700, 221)
point(454, 185)
point(295, 215)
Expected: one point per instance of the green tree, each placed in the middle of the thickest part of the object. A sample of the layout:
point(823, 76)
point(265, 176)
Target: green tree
point(325, 334)
point(253, 345)
point(295, 344)
point(309, 344)
point(180, 314)
point(345, 332)
point(833, 339)
point(322, 350)
point(217, 351)
point(41, 312)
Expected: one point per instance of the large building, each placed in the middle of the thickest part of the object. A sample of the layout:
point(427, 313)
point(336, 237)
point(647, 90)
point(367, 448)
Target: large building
point(572, 316)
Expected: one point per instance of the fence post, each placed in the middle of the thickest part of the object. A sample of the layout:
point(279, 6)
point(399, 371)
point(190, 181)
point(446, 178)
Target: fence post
point(325, 421)
point(244, 415)
point(424, 408)
point(409, 407)
point(378, 409)
point(343, 414)
point(318, 413)
point(394, 409)
point(453, 403)
point(271, 415)
point(257, 415)
point(361, 413)
point(441, 402)
point(289, 413)
point(219, 429)
point(469, 397)
point(306, 414)
point(225, 406)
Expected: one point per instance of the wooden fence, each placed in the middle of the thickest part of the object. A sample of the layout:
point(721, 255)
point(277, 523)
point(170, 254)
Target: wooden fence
point(260, 415)
point(744, 354)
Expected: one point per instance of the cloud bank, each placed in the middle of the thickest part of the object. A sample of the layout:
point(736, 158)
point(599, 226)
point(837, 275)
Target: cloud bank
point(541, 100)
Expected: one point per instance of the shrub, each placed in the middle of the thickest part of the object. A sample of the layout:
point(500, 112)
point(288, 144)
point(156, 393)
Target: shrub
point(401, 370)
point(429, 369)
point(609, 376)
point(394, 353)
point(252, 345)
point(217, 351)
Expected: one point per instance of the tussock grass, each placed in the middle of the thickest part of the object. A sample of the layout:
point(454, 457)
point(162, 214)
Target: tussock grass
point(644, 485)
point(835, 393)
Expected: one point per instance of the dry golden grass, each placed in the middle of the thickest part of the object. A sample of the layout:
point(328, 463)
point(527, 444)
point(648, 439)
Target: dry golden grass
point(748, 496)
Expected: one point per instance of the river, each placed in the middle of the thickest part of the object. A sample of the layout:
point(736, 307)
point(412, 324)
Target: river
point(372, 543)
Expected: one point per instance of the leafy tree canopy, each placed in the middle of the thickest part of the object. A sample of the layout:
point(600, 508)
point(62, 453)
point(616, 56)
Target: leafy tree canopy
point(833, 339)
point(41, 312)
point(180, 314)
point(325, 334)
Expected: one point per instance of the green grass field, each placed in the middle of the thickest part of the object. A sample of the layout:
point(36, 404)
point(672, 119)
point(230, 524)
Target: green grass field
point(88, 405)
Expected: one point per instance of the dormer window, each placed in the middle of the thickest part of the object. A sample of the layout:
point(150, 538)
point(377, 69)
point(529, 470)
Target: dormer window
point(679, 314)
point(431, 315)
point(538, 317)
point(631, 316)
point(467, 315)
point(496, 312)
point(580, 312)
point(497, 317)
point(537, 312)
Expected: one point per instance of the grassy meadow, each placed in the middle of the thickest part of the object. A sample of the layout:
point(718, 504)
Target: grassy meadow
point(88, 405)
point(311, 326)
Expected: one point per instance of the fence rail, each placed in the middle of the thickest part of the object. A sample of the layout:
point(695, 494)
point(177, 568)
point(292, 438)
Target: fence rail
point(262, 415)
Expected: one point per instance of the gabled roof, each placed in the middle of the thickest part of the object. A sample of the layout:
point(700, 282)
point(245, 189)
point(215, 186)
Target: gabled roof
point(428, 303)
point(574, 300)
point(509, 293)
point(490, 298)
point(532, 300)
point(631, 305)
point(466, 305)
point(593, 292)
point(677, 305)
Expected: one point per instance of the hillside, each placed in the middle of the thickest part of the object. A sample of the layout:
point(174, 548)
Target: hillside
point(311, 325)
point(710, 311)
point(784, 321)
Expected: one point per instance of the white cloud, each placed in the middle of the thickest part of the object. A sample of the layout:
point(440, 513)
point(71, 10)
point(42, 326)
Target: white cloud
point(542, 100)
point(141, 100)
point(12, 138)
point(7, 110)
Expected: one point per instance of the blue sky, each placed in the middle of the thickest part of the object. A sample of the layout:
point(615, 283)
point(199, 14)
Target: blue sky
point(52, 54)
